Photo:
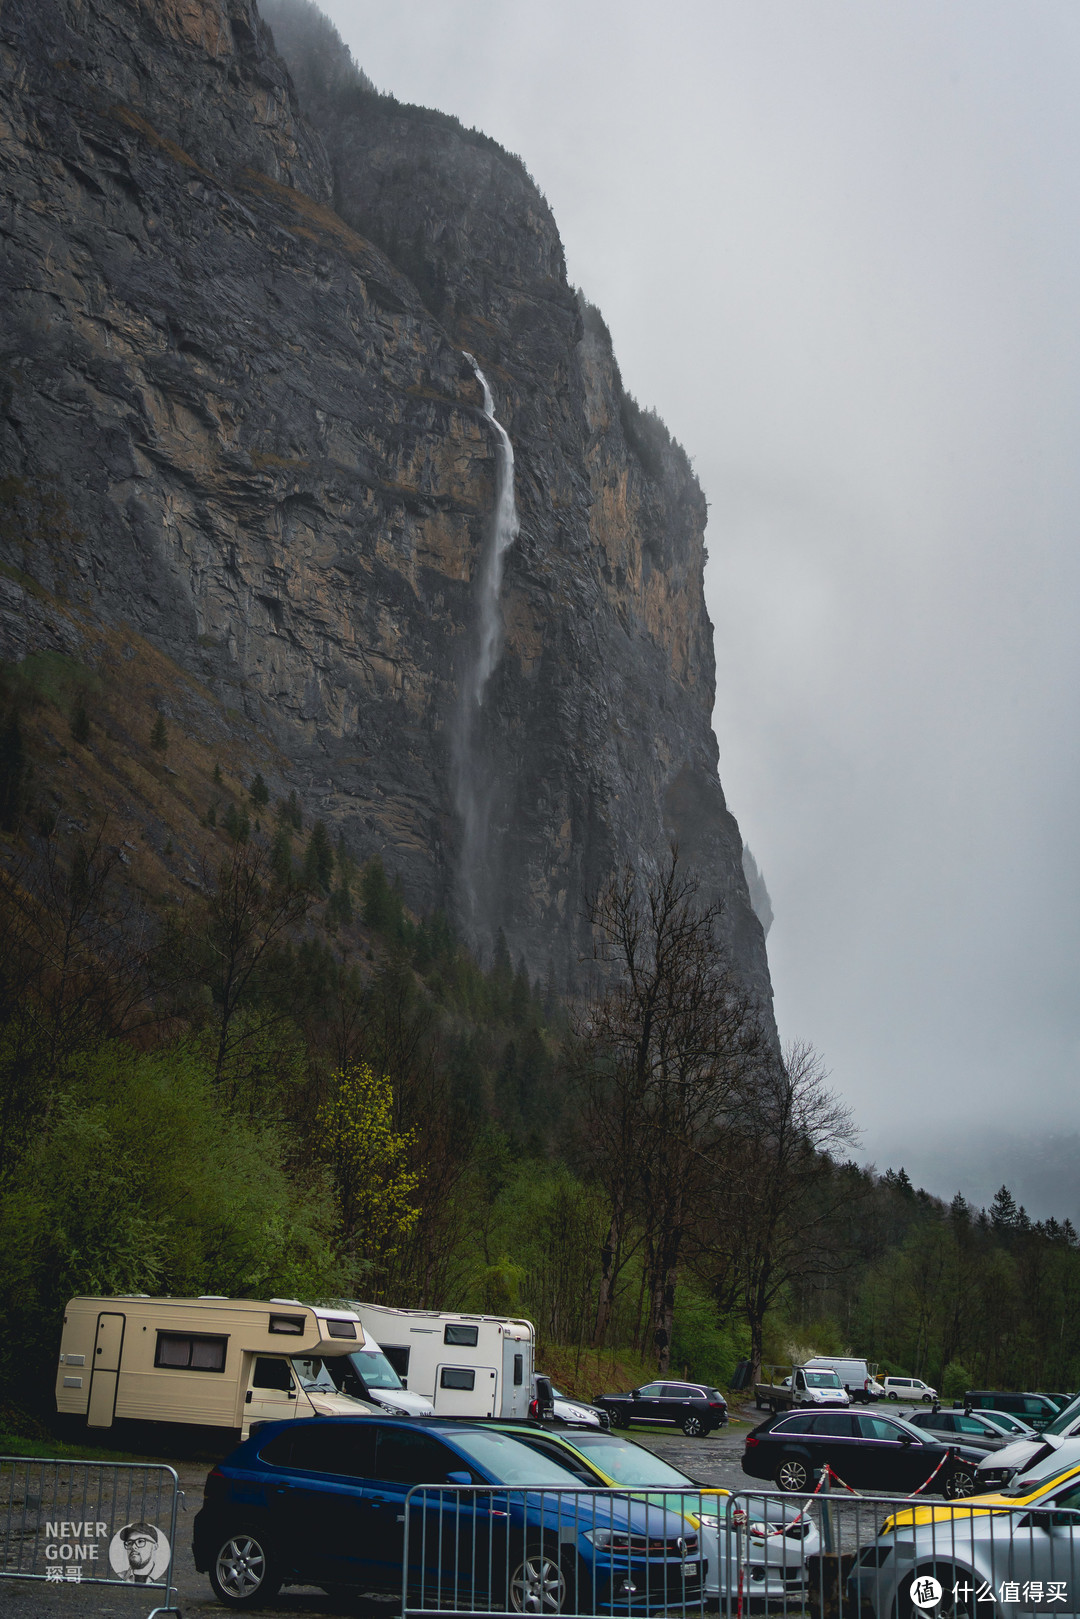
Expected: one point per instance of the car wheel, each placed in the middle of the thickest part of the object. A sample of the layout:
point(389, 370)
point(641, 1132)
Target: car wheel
point(956, 1603)
point(618, 1418)
point(793, 1474)
point(927, 1399)
point(892, 1395)
point(692, 1426)
point(244, 1572)
point(539, 1584)
point(960, 1483)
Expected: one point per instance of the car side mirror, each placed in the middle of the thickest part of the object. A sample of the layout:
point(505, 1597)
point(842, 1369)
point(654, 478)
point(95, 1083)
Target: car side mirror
point(907, 1439)
point(459, 1478)
point(633, 1394)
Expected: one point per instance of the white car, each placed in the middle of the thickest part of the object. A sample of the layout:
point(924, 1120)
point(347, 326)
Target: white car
point(1027, 1459)
point(992, 1560)
point(574, 1412)
point(908, 1388)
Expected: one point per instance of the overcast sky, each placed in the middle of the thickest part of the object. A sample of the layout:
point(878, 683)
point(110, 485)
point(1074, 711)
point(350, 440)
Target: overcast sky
point(836, 242)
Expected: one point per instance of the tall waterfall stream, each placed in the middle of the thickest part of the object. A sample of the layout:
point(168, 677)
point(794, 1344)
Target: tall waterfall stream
point(474, 783)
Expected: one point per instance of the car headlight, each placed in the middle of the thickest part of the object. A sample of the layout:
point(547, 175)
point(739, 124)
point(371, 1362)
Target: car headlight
point(616, 1540)
point(708, 1519)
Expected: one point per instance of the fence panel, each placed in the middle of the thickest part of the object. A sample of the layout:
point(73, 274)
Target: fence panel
point(892, 1557)
point(475, 1549)
point(90, 1523)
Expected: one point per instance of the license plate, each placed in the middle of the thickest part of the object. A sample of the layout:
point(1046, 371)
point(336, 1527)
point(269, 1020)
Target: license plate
point(689, 1571)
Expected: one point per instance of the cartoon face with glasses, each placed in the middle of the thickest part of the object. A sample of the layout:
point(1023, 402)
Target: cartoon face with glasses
point(139, 1553)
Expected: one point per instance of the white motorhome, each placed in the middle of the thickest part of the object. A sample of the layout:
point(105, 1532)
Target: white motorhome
point(211, 1363)
point(466, 1365)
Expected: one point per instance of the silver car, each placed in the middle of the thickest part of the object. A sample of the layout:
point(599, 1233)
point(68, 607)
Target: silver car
point(991, 1557)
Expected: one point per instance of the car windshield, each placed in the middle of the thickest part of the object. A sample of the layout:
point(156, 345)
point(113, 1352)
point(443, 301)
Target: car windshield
point(505, 1459)
point(375, 1369)
point(822, 1380)
point(628, 1463)
point(1065, 1419)
point(312, 1374)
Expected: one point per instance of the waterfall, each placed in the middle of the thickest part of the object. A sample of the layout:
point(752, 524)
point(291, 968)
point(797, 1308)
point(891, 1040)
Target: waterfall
point(474, 778)
point(503, 534)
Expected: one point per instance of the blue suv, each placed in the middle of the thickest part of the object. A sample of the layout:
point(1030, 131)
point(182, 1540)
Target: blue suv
point(323, 1502)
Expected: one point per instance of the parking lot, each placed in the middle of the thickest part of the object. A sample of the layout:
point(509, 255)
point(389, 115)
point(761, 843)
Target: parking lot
point(713, 1461)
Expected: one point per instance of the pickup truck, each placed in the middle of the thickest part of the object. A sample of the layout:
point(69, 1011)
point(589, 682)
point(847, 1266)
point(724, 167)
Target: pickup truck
point(801, 1388)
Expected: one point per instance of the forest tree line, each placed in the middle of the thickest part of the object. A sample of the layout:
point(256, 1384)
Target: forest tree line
point(290, 1085)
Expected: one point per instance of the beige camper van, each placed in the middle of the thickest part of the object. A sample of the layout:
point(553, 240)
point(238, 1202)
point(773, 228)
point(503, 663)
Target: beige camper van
point(210, 1363)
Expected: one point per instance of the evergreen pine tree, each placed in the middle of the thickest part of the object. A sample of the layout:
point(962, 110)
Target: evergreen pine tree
point(236, 824)
point(260, 793)
point(319, 859)
point(159, 736)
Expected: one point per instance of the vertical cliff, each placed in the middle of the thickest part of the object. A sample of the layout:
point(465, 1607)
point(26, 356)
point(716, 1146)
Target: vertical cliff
point(233, 359)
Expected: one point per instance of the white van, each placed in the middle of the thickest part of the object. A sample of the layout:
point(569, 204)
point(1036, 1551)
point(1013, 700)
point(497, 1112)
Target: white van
point(371, 1376)
point(908, 1388)
point(855, 1375)
point(207, 1363)
point(466, 1365)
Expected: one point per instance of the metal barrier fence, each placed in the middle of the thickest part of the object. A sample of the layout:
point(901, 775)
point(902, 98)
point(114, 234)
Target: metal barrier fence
point(894, 1557)
point(483, 1551)
point(478, 1549)
point(89, 1523)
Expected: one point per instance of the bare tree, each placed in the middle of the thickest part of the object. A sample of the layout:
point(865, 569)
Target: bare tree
point(776, 1191)
point(248, 915)
point(662, 1050)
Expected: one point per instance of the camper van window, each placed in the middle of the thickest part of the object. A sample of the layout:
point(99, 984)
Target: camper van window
point(519, 1370)
point(466, 1337)
point(191, 1353)
point(287, 1323)
point(457, 1377)
point(271, 1373)
point(341, 1329)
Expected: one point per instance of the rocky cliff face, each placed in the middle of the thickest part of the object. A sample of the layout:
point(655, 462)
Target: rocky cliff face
point(232, 364)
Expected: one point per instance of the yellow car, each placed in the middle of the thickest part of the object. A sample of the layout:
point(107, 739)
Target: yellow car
point(1026, 1492)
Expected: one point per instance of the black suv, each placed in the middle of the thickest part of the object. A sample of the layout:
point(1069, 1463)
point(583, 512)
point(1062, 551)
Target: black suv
point(694, 1407)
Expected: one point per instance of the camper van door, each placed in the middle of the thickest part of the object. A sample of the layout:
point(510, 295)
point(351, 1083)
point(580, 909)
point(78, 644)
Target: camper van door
point(105, 1369)
point(517, 1378)
point(270, 1391)
point(466, 1391)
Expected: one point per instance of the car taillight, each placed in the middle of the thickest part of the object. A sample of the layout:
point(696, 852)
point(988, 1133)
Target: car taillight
point(718, 1405)
point(216, 1484)
point(751, 1439)
point(534, 1408)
